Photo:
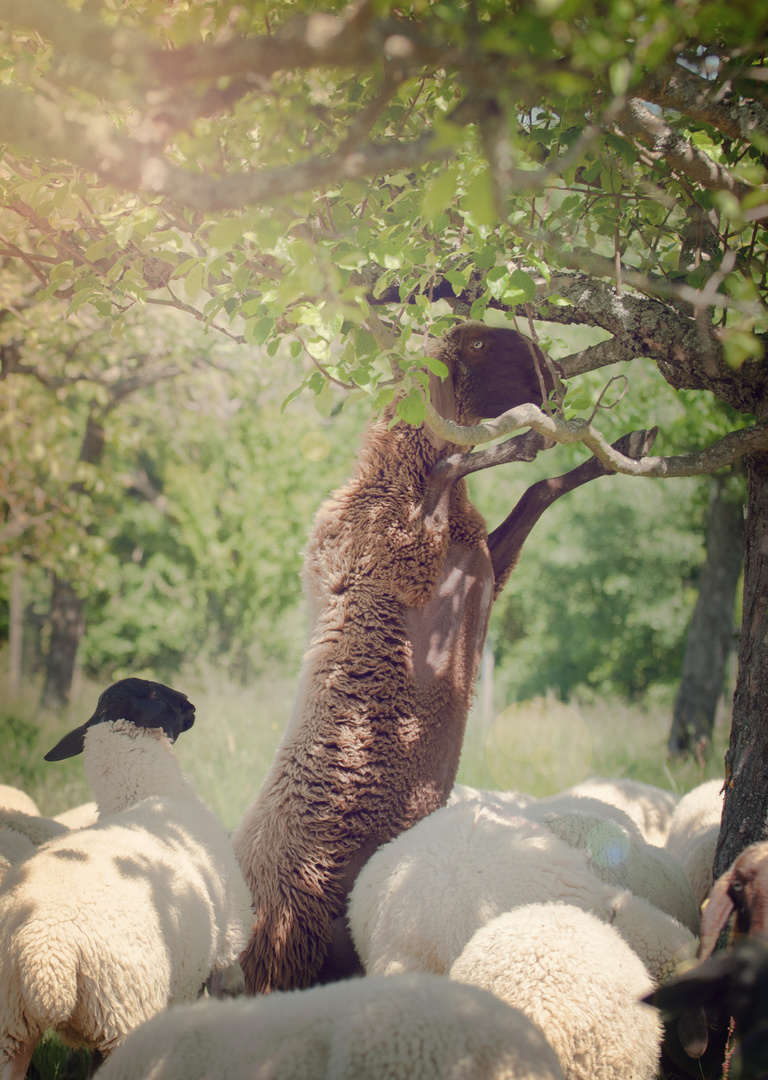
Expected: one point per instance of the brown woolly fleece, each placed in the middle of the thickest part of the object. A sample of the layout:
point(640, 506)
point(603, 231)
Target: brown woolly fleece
point(400, 584)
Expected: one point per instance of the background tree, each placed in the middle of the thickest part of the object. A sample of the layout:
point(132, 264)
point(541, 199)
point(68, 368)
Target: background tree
point(711, 637)
point(345, 178)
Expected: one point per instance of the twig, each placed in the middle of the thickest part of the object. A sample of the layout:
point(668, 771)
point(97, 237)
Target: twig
point(603, 392)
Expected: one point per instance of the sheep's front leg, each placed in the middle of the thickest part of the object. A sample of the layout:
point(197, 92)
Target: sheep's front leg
point(506, 542)
point(419, 545)
point(521, 448)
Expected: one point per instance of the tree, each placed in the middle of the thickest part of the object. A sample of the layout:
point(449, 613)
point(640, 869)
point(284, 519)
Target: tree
point(710, 639)
point(60, 388)
point(345, 178)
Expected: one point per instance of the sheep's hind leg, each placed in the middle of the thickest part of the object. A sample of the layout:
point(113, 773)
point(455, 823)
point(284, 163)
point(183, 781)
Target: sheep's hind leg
point(15, 1068)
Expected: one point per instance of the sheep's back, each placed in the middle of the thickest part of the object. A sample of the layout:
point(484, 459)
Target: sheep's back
point(368, 1029)
point(576, 978)
point(420, 898)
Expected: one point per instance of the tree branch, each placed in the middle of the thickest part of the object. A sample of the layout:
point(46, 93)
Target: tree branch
point(39, 128)
point(720, 454)
point(638, 122)
point(114, 61)
point(708, 103)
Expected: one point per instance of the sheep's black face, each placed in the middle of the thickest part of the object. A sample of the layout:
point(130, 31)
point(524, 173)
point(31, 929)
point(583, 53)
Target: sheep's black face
point(493, 369)
point(146, 704)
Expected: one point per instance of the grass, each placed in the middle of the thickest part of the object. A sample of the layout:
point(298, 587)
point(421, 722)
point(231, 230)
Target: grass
point(540, 746)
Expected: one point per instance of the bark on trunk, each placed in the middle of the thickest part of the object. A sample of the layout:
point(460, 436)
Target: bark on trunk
point(710, 637)
point(67, 616)
point(67, 625)
point(746, 761)
point(15, 628)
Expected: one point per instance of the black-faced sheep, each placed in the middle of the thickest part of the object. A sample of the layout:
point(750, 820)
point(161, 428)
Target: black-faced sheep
point(401, 574)
point(104, 926)
point(733, 983)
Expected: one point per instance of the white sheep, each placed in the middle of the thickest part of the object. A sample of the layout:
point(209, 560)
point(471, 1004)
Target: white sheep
point(422, 896)
point(38, 829)
point(618, 855)
point(649, 806)
point(13, 846)
point(77, 817)
point(104, 926)
point(662, 943)
point(693, 833)
point(398, 1028)
point(577, 980)
point(514, 800)
point(13, 798)
point(35, 827)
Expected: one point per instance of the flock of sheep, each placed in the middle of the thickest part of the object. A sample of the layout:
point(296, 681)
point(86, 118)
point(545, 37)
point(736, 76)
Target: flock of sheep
point(370, 918)
point(501, 936)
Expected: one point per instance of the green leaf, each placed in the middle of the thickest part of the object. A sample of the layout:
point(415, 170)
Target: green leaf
point(324, 400)
point(519, 280)
point(437, 367)
point(478, 203)
point(439, 193)
point(457, 280)
point(193, 282)
point(412, 408)
point(258, 330)
point(485, 258)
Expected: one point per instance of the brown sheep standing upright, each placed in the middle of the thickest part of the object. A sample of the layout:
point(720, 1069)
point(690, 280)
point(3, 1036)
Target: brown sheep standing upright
point(400, 575)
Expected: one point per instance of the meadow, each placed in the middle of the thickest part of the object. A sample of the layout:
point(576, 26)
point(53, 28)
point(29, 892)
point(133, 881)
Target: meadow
point(539, 746)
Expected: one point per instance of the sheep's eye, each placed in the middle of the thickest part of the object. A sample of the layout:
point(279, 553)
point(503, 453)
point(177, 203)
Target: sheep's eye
point(736, 893)
point(478, 343)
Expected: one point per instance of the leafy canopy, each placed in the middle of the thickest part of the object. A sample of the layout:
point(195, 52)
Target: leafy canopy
point(287, 174)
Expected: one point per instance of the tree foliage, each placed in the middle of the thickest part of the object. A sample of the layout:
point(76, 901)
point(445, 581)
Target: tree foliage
point(282, 173)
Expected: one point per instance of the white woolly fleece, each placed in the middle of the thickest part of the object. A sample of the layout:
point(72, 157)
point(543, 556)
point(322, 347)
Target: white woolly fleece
point(693, 833)
point(618, 854)
point(577, 980)
point(399, 1028)
point(421, 897)
point(649, 806)
point(125, 764)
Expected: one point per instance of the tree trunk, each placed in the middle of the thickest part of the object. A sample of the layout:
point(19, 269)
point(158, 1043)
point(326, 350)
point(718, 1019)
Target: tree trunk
point(67, 609)
point(67, 625)
point(746, 761)
point(710, 637)
point(15, 628)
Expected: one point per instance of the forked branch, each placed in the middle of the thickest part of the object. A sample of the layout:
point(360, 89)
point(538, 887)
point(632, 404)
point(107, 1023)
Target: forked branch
point(707, 460)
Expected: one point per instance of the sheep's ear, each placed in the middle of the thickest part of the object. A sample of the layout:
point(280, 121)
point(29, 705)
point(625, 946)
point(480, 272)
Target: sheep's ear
point(443, 395)
point(716, 913)
point(71, 745)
